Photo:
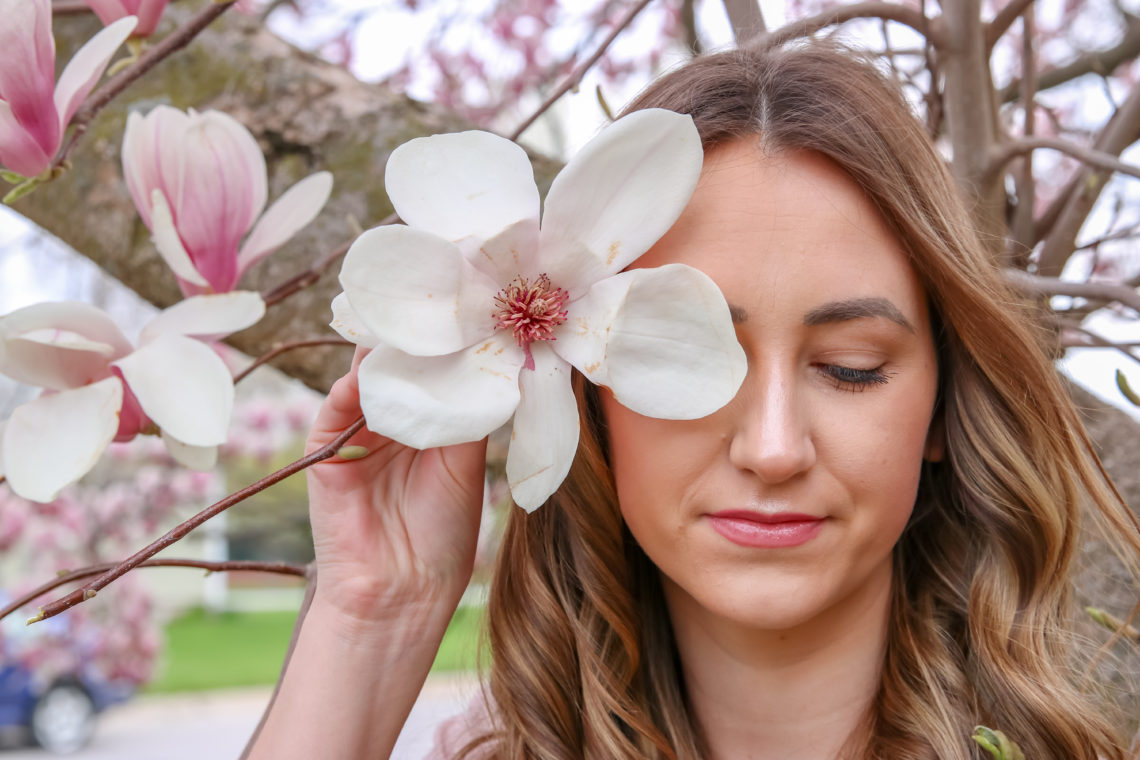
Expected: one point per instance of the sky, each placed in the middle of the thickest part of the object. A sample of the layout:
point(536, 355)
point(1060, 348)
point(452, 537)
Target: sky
point(35, 267)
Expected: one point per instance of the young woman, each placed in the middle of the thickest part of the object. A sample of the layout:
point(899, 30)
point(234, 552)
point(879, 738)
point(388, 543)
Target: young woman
point(864, 555)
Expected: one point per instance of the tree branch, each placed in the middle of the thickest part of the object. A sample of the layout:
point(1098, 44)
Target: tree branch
point(1007, 151)
point(1052, 286)
point(1088, 339)
point(69, 8)
point(277, 351)
point(1004, 20)
point(1101, 62)
point(67, 576)
point(901, 14)
point(178, 532)
point(1023, 224)
point(576, 75)
point(746, 18)
point(170, 44)
point(1063, 221)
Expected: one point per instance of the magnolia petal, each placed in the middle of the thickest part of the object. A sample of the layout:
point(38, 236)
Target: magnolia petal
point(221, 191)
point(506, 255)
point(27, 77)
point(54, 440)
point(298, 206)
point(620, 194)
point(151, 147)
point(87, 65)
point(59, 345)
point(348, 325)
point(660, 339)
point(429, 401)
point(467, 184)
point(544, 436)
point(168, 243)
point(2, 425)
point(183, 386)
point(208, 317)
point(20, 152)
point(415, 291)
point(201, 458)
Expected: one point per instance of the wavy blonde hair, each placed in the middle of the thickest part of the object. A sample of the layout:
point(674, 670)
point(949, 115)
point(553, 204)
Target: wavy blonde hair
point(583, 660)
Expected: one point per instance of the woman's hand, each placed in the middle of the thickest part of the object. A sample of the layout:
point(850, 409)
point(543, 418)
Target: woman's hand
point(397, 528)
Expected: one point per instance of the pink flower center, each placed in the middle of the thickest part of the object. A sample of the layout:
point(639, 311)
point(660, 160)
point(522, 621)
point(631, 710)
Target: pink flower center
point(531, 310)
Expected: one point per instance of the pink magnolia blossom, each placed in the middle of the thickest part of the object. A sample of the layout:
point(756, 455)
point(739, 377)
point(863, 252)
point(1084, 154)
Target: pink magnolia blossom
point(34, 109)
point(148, 12)
point(199, 183)
point(99, 388)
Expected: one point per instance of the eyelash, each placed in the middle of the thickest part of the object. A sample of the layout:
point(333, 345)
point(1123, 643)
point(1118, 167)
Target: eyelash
point(854, 380)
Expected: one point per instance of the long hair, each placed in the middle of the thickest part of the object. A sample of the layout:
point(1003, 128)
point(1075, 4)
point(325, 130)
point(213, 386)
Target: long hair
point(583, 660)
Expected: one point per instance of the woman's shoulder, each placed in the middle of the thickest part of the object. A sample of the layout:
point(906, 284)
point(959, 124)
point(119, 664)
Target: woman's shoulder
point(458, 731)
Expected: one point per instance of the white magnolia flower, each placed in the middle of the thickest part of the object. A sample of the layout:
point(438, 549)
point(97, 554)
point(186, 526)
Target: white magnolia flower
point(99, 388)
point(474, 312)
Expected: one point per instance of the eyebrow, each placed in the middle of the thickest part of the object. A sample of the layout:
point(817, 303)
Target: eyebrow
point(856, 308)
point(840, 311)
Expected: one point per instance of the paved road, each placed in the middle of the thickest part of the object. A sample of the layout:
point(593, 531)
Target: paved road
point(216, 725)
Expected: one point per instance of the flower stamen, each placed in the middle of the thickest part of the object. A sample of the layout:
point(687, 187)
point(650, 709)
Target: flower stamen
point(530, 310)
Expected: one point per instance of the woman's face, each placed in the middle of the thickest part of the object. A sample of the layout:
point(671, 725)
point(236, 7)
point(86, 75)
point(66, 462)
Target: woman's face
point(785, 505)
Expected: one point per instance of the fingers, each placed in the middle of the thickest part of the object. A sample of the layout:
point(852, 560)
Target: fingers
point(340, 409)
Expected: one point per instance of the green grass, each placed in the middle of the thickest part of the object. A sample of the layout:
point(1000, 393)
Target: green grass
point(206, 651)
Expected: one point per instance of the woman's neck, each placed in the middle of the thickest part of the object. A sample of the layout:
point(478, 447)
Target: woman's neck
point(793, 694)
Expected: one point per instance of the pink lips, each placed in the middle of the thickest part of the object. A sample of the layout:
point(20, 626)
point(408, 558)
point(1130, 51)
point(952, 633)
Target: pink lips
point(764, 531)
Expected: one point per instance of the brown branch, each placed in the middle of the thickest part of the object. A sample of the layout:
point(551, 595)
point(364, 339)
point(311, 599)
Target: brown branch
point(1062, 222)
point(1102, 62)
point(67, 576)
point(746, 18)
point(1007, 151)
point(1004, 20)
point(901, 14)
point(270, 355)
point(173, 42)
point(69, 8)
point(1092, 340)
point(1052, 286)
point(576, 75)
point(178, 532)
point(1023, 224)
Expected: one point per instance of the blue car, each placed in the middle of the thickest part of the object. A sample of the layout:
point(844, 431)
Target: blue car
point(58, 715)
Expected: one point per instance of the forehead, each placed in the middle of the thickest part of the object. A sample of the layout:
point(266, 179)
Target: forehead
point(790, 229)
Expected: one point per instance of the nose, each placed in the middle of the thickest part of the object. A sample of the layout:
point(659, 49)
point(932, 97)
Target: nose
point(772, 434)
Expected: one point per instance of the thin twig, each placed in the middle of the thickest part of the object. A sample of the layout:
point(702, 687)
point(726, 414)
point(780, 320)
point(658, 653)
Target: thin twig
point(1096, 341)
point(1004, 20)
point(306, 278)
point(576, 75)
point(178, 532)
point(1037, 285)
point(173, 42)
point(901, 14)
point(269, 356)
point(284, 568)
point(1010, 150)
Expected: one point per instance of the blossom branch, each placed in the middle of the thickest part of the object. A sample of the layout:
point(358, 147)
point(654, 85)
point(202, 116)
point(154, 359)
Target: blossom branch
point(211, 566)
point(931, 29)
point(178, 532)
point(277, 351)
point(1004, 20)
point(1053, 286)
point(1073, 336)
point(69, 8)
point(576, 75)
point(1010, 150)
point(170, 44)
